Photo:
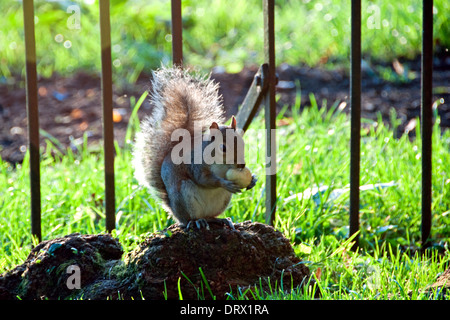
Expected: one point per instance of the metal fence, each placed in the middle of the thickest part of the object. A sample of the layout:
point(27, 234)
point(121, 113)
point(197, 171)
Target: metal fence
point(261, 90)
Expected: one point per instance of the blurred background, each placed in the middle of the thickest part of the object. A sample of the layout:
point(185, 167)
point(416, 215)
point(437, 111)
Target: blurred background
point(216, 33)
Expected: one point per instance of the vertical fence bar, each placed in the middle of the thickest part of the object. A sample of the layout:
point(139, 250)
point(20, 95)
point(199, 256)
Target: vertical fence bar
point(355, 106)
point(427, 116)
point(177, 33)
point(108, 130)
point(270, 114)
point(33, 117)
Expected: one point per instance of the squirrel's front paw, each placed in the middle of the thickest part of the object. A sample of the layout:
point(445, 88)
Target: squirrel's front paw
point(231, 186)
point(252, 183)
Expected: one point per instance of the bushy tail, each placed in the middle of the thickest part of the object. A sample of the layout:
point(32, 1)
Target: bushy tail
point(178, 100)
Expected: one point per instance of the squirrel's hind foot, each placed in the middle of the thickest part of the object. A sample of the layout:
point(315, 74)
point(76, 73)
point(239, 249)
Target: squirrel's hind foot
point(203, 223)
point(199, 223)
point(228, 222)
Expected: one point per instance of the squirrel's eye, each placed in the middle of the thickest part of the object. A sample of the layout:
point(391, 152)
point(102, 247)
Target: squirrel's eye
point(223, 148)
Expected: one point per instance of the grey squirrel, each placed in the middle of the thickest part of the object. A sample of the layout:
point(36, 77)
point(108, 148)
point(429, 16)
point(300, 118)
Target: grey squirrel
point(191, 191)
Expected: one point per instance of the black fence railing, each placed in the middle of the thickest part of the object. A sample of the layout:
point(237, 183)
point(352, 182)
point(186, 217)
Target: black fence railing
point(261, 90)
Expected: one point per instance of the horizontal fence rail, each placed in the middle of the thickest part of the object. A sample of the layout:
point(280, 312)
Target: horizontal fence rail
point(262, 89)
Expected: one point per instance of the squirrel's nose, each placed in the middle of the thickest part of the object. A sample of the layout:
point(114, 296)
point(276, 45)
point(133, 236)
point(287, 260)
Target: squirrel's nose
point(241, 165)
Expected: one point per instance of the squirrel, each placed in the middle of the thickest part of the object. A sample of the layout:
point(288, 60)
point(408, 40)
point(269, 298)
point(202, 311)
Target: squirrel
point(191, 191)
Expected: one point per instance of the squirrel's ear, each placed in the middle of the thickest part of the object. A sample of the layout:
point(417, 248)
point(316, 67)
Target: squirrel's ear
point(214, 126)
point(233, 122)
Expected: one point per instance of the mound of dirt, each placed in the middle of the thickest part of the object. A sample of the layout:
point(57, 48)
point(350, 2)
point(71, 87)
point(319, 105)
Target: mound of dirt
point(203, 263)
point(45, 273)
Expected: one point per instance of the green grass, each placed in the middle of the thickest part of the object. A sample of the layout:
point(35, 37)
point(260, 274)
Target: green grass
point(310, 32)
point(313, 150)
